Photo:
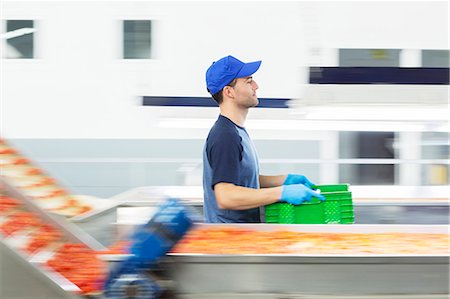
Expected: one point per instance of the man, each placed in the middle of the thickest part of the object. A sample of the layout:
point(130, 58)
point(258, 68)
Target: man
point(233, 188)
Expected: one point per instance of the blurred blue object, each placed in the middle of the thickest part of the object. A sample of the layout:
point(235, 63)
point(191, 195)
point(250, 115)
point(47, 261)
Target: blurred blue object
point(143, 287)
point(150, 243)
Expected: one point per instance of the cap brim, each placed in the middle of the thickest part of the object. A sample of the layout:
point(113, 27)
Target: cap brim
point(248, 69)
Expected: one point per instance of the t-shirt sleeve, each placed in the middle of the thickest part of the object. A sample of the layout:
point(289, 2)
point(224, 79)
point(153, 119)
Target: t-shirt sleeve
point(225, 156)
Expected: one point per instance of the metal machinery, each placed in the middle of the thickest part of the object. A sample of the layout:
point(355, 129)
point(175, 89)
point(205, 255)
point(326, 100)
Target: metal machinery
point(28, 276)
point(138, 275)
point(149, 271)
point(130, 278)
point(315, 276)
point(372, 205)
point(281, 276)
point(298, 276)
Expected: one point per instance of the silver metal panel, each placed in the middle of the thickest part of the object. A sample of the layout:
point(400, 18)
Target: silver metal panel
point(315, 275)
point(20, 279)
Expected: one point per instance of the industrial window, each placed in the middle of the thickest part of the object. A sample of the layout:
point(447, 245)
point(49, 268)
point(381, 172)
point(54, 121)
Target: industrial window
point(364, 147)
point(137, 39)
point(369, 57)
point(436, 58)
point(19, 39)
point(435, 147)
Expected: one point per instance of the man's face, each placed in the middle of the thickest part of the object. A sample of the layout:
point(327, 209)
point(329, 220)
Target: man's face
point(245, 92)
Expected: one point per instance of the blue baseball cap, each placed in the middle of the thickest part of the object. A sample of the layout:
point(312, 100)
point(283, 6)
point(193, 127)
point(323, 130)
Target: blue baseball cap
point(225, 70)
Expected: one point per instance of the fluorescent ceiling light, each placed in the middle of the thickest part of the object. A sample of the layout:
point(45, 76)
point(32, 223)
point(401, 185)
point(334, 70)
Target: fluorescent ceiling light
point(378, 113)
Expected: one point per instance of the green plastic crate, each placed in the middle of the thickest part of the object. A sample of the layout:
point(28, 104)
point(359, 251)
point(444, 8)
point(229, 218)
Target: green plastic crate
point(336, 209)
point(332, 188)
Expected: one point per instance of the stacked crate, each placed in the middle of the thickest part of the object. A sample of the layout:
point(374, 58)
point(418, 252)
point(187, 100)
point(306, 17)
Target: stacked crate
point(337, 208)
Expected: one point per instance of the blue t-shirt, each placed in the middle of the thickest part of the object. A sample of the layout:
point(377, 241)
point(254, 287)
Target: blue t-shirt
point(229, 156)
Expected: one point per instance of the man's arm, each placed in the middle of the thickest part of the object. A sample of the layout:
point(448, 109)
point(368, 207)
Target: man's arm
point(267, 181)
point(232, 197)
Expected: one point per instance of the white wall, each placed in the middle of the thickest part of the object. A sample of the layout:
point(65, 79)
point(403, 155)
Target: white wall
point(384, 24)
point(80, 88)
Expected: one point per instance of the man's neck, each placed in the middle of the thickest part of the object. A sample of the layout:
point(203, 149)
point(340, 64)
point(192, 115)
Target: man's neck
point(237, 116)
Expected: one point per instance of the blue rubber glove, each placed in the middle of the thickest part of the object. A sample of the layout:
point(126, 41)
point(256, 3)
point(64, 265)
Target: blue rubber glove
point(298, 193)
point(298, 179)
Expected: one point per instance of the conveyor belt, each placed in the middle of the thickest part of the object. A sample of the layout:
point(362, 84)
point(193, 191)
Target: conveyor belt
point(26, 275)
point(343, 275)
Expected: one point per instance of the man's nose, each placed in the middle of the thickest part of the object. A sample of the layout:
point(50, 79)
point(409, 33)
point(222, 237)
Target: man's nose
point(255, 85)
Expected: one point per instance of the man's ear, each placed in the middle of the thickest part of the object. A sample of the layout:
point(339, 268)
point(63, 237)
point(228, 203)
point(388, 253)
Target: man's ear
point(228, 91)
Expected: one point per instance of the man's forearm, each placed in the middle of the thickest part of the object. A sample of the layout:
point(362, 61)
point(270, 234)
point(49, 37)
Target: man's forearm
point(232, 197)
point(267, 181)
